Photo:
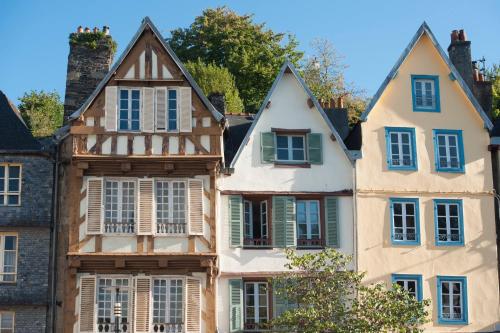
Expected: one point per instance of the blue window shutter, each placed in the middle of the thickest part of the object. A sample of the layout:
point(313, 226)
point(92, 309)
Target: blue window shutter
point(235, 219)
point(332, 221)
point(315, 148)
point(236, 305)
point(267, 147)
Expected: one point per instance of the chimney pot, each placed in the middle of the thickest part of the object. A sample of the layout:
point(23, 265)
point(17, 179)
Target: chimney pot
point(454, 36)
point(476, 74)
point(87, 29)
point(96, 29)
point(105, 29)
point(481, 77)
point(79, 29)
point(461, 35)
point(340, 102)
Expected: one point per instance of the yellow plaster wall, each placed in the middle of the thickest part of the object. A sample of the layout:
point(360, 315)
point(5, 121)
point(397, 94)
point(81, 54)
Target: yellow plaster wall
point(477, 260)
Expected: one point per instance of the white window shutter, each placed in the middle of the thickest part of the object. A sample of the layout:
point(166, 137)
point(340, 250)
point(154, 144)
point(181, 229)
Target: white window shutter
point(94, 206)
point(193, 308)
point(148, 109)
point(195, 207)
point(87, 304)
point(142, 316)
point(146, 209)
point(161, 108)
point(110, 108)
point(185, 114)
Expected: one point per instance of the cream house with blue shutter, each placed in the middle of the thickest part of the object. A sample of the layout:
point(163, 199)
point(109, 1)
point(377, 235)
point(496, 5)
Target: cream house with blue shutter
point(424, 191)
point(138, 199)
point(289, 184)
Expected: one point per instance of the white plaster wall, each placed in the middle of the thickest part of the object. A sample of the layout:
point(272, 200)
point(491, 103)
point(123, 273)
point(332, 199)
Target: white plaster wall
point(171, 244)
point(120, 244)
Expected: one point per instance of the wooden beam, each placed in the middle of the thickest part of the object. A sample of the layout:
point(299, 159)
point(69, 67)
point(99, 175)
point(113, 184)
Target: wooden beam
point(82, 165)
point(163, 263)
point(125, 167)
point(120, 263)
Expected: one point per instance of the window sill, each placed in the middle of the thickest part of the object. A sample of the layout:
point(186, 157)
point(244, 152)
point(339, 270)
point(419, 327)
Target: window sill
point(416, 109)
point(452, 322)
point(405, 243)
point(458, 170)
point(400, 168)
point(457, 244)
point(9, 283)
point(292, 165)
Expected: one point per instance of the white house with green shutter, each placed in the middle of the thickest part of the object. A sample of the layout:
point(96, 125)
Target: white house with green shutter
point(289, 184)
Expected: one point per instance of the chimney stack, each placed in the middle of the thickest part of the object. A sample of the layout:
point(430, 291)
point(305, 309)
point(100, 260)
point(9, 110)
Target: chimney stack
point(218, 101)
point(87, 66)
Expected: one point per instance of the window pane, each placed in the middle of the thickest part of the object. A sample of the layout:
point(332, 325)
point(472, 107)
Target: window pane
point(13, 185)
point(2, 171)
point(10, 242)
point(282, 154)
point(14, 171)
point(13, 199)
point(298, 155)
point(298, 142)
point(282, 141)
point(135, 94)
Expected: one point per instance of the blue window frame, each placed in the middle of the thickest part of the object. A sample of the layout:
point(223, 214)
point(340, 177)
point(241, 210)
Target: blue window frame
point(172, 109)
point(425, 93)
point(412, 283)
point(448, 222)
point(448, 150)
point(401, 148)
point(405, 221)
point(130, 101)
point(452, 300)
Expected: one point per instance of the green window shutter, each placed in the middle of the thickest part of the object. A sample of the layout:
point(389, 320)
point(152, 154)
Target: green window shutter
point(315, 148)
point(236, 305)
point(267, 147)
point(280, 304)
point(235, 220)
point(332, 221)
point(284, 221)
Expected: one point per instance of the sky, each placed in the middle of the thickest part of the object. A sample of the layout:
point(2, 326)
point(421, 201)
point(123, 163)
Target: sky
point(370, 35)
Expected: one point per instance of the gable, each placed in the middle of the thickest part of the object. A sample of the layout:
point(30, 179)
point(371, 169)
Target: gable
point(429, 53)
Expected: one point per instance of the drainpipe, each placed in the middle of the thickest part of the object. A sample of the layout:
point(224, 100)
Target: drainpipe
point(355, 220)
point(55, 215)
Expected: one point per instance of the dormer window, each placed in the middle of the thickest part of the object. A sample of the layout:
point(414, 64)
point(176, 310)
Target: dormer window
point(425, 93)
point(130, 106)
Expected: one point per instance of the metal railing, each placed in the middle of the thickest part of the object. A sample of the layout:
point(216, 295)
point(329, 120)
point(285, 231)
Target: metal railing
point(168, 327)
point(256, 242)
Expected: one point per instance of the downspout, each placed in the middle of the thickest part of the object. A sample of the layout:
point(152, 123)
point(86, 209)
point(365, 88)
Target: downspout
point(355, 219)
point(55, 215)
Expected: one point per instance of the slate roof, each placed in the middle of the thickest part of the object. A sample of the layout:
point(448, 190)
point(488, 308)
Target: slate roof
point(424, 28)
point(14, 135)
point(236, 130)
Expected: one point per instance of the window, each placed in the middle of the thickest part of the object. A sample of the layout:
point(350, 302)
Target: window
point(119, 206)
point(111, 291)
point(6, 322)
point(290, 148)
point(10, 184)
point(8, 257)
point(452, 300)
point(401, 148)
point(308, 230)
point(405, 221)
point(172, 109)
point(168, 305)
point(448, 150)
point(170, 207)
point(256, 305)
point(255, 223)
point(425, 93)
point(448, 222)
point(130, 101)
point(411, 283)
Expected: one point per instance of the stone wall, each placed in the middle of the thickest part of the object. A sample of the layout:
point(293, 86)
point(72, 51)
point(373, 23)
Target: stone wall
point(29, 319)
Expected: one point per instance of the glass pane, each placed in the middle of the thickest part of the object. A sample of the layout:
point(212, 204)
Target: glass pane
point(135, 94)
point(410, 209)
point(13, 200)
point(10, 242)
point(283, 154)
point(2, 171)
point(124, 94)
point(13, 185)
point(298, 155)
point(397, 208)
point(14, 171)
point(298, 142)
point(282, 141)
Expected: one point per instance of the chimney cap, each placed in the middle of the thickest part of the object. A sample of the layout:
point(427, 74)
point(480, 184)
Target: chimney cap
point(105, 29)
point(87, 29)
point(96, 30)
point(79, 29)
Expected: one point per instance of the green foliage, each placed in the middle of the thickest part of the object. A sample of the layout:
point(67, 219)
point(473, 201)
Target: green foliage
point(250, 51)
point(216, 79)
point(42, 112)
point(324, 74)
point(91, 39)
point(494, 75)
point(331, 298)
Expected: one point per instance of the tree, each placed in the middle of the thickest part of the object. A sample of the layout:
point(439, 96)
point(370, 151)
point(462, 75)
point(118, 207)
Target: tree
point(42, 112)
point(324, 74)
point(494, 75)
point(215, 79)
point(250, 51)
point(331, 298)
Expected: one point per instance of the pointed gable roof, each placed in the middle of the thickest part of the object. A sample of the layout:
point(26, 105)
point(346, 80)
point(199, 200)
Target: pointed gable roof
point(288, 67)
point(14, 135)
point(424, 28)
point(147, 23)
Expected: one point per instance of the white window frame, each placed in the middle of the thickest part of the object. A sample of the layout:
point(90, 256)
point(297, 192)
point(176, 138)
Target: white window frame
point(131, 296)
point(400, 153)
point(170, 208)
point(448, 147)
point(4, 329)
point(120, 204)
point(169, 278)
point(6, 191)
point(248, 218)
point(308, 219)
point(424, 93)
point(290, 148)
point(264, 231)
point(404, 217)
point(129, 109)
point(448, 221)
point(450, 299)
point(255, 301)
point(2, 256)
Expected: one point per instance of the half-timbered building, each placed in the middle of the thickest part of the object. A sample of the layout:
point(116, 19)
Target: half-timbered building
point(138, 199)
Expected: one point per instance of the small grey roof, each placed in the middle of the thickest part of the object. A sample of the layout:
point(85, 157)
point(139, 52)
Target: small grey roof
point(146, 22)
point(237, 127)
point(424, 28)
point(14, 135)
point(289, 66)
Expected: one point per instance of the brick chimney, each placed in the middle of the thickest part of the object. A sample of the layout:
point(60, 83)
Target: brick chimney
point(460, 55)
point(87, 66)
